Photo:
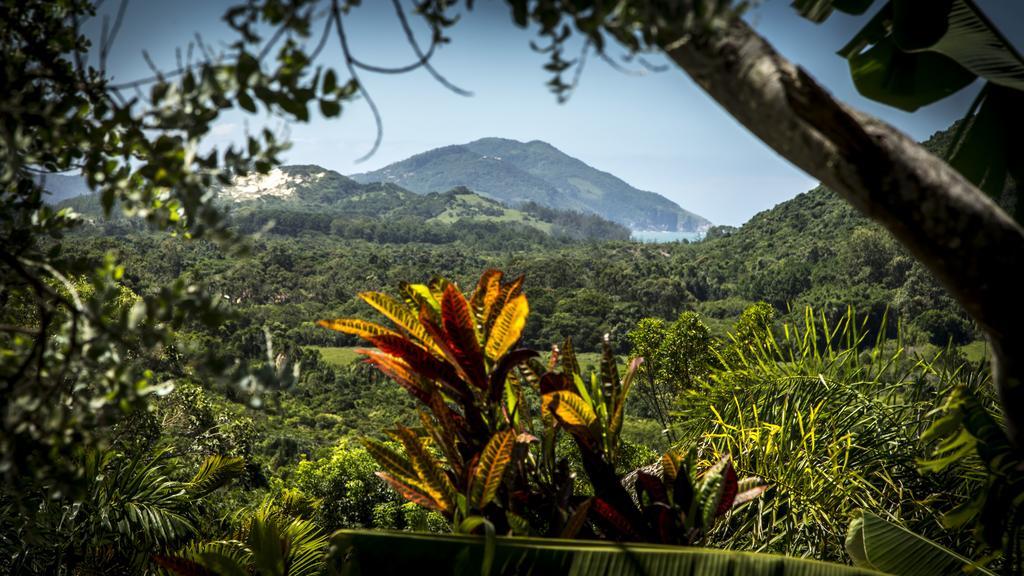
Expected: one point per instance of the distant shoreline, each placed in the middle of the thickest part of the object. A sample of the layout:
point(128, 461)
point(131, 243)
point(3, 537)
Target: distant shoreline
point(663, 236)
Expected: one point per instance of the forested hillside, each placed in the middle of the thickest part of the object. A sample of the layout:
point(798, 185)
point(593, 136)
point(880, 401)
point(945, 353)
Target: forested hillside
point(813, 250)
point(293, 200)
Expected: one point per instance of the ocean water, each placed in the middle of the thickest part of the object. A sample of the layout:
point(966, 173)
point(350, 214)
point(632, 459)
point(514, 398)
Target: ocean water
point(661, 236)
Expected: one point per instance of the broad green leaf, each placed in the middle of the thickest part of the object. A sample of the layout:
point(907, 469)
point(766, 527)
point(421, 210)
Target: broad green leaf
point(374, 552)
point(820, 10)
point(988, 148)
point(880, 545)
point(906, 80)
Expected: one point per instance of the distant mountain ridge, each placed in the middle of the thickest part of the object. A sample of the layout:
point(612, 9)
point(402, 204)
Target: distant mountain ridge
point(516, 172)
point(309, 198)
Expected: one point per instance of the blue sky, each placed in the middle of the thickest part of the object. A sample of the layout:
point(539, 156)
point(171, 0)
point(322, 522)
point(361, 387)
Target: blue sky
point(658, 132)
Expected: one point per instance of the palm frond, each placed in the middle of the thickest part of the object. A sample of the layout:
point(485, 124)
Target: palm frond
point(214, 473)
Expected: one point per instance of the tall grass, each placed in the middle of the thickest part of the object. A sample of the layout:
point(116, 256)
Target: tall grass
point(832, 422)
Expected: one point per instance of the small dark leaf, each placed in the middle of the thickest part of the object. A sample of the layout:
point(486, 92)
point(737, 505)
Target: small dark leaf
point(330, 108)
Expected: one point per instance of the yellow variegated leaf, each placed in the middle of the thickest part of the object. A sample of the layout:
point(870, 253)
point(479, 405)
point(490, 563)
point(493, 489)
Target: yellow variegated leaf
point(507, 328)
point(619, 410)
point(421, 296)
point(413, 493)
point(393, 463)
point(569, 408)
point(506, 294)
point(401, 316)
point(487, 292)
point(433, 479)
point(491, 467)
point(356, 327)
point(670, 464)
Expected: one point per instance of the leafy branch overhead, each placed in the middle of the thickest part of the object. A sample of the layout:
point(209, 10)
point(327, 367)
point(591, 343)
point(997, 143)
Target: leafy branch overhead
point(909, 55)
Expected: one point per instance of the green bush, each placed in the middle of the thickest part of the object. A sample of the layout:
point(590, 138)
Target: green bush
point(352, 495)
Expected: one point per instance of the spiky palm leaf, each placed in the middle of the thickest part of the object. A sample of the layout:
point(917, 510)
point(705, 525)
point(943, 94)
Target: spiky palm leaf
point(214, 473)
point(270, 543)
point(832, 422)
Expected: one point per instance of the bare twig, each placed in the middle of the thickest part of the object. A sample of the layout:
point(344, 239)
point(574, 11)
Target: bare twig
point(110, 34)
point(323, 38)
point(425, 58)
point(349, 63)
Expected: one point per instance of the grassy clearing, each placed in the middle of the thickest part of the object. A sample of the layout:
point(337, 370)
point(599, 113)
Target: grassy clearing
point(975, 351)
point(337, 356)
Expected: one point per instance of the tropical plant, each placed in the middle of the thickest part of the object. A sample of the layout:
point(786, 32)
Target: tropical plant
point(273, 540)
point(967, 430)
point(454, 355)
point(831, 421)
point(875, 543)
point(133, 508)
point(672, 504)
point(906, 61)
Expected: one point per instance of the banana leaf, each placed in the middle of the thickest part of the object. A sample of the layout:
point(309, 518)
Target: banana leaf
point(880, 545)
point(363, 552)
point(913, 53)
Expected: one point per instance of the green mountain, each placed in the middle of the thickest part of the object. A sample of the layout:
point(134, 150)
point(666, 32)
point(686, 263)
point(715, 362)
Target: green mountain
point(517, 172)
point(306, 198)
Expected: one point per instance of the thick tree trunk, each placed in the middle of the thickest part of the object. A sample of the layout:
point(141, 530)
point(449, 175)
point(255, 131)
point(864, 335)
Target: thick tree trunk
point(972, 246)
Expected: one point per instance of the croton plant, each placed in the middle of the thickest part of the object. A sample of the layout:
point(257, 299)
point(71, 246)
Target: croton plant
point(485, 454)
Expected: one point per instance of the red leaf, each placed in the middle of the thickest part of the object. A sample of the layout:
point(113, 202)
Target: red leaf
point(500, 372)
point(460, 335)
point(611, 518)
point(421, 361)
point(729, 489)
point(653, 486)
point(396, 369)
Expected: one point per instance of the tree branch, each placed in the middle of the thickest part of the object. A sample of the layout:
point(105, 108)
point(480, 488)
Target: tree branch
point(971, 245)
